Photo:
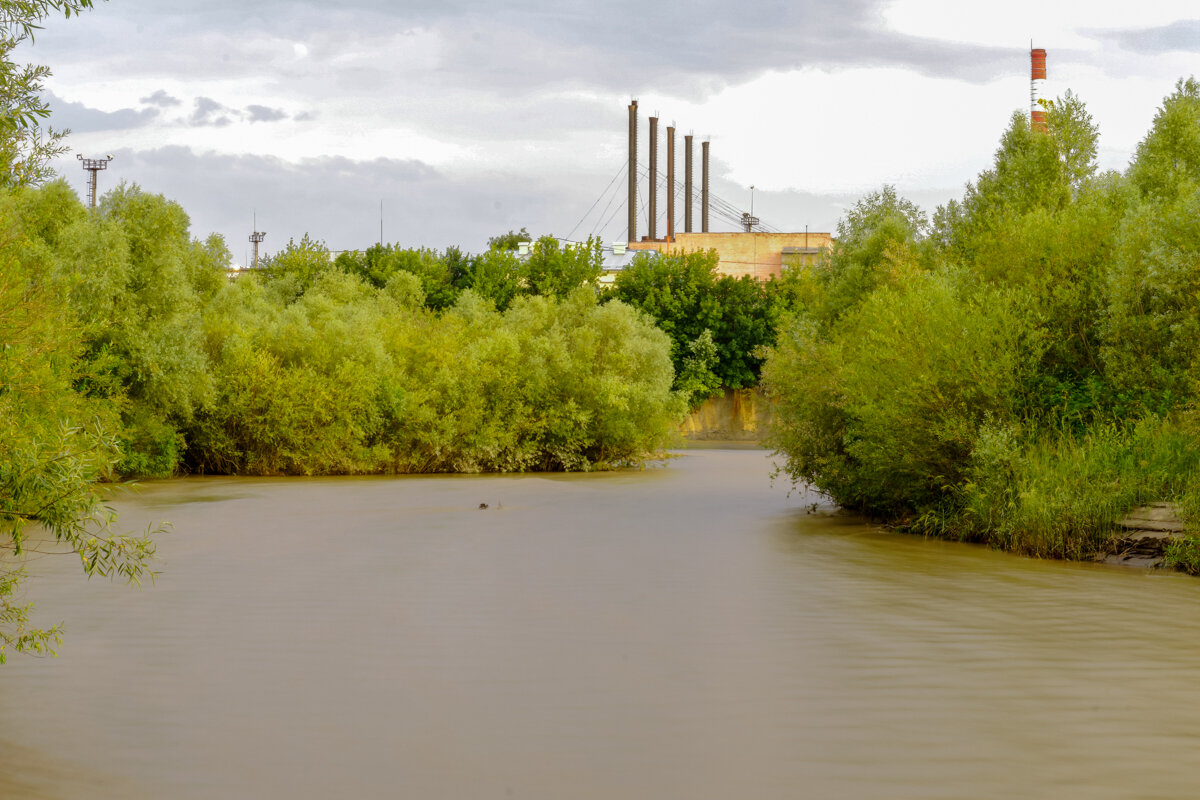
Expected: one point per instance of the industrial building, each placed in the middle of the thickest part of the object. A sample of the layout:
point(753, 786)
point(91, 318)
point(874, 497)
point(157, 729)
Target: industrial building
point(759, 254)
point(753, 251)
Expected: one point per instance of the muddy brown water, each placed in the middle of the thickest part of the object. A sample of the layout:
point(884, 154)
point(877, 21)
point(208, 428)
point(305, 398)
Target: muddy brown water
point(689, 631)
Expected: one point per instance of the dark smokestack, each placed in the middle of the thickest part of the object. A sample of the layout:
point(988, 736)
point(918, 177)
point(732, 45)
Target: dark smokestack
point(687, 183)
point(633, 126)
point(704, 187)
point(670, 182)
point(653, 176)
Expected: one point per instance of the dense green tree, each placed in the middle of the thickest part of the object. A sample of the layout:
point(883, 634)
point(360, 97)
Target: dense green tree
point(347, 379)
point(718, 324)
point(1059, 261)
point(296, 379)
point(748, 312)
point(876, 244)
point(139, 281)
point(441, 274)
point(883, 415)
point(25, 147)
point(1167, 162)
point(555, 270)
point(1152, 329)
point(1030, 170)
point(676, 291)
point(1075, 136)
point(1026, 373)
point(509, 241)
point(497, 275)
point(55, 442)
point(299, 263)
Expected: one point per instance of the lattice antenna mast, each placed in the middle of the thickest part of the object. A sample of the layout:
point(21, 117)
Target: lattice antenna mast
point(748, 219)
point(256, 237)
point(93, 165)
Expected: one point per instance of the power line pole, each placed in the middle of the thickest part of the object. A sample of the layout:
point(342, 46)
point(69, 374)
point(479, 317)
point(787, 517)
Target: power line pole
point(93, 165)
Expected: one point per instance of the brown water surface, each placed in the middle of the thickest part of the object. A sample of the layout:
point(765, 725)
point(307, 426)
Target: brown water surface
point(683, 632)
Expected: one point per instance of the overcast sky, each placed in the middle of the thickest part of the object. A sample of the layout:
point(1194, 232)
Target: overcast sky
point(467, 118)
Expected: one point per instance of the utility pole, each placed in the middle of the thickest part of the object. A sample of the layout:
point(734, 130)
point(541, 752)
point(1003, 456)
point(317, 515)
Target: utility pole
point(256, 237)
point(93, 165)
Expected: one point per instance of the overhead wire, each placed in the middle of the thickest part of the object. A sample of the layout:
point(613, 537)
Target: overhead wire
point(598, 199)
point(611, 198)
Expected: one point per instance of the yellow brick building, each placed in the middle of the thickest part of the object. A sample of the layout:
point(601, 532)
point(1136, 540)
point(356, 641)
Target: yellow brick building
point(760, 255)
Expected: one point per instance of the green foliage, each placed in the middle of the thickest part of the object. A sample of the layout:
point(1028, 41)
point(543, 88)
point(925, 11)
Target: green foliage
point(138, 280)
point(439, 273)
point(406, 290)
point(345, 379)
point(1058, 261)
point(1152, 330)
point(877, 243)
point(1061, 496)
point(509, 241)
point(1031, 170)
point(25, 148)
point(546, 385)
point(1167, 161)
point(1026, 374)
point(695, 379)
point(675, 290)
point(497, 275)
point(908, 380)
point(300, 263)
point(556, 270)
point(296, 382)
point(53, 440)
point(699, 310)
point(1184, 554)
point(1074, 135)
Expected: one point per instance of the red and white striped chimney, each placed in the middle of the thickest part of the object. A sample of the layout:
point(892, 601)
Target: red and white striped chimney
point(1037, 72)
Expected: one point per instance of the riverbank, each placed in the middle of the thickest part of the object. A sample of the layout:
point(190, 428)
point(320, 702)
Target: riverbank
point(1142, 537)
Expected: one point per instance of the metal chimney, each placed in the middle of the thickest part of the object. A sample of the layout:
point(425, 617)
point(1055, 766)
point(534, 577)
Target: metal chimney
point(633, 128)
point(670, 183)
point(704, 187)
point(687, 183)
point(653, 176)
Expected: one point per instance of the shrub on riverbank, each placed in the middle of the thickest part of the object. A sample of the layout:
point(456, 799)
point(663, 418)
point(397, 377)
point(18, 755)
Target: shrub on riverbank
point(345, 379)
point(1020, 373)
point(305, 367)
point(1060, 496)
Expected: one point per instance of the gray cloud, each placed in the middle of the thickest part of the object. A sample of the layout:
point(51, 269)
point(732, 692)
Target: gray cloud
point(161, 98)
point(83, 119)
point(1181, 36)
point(692, 49)
point(685, 49)
point(257, 113)
point(210, 112)
point(337, 200)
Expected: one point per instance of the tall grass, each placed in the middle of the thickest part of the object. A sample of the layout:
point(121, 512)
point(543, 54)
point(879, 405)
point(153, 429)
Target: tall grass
point(1061, 495)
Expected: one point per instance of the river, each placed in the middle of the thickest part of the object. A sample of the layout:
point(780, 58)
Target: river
point(687, 631)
